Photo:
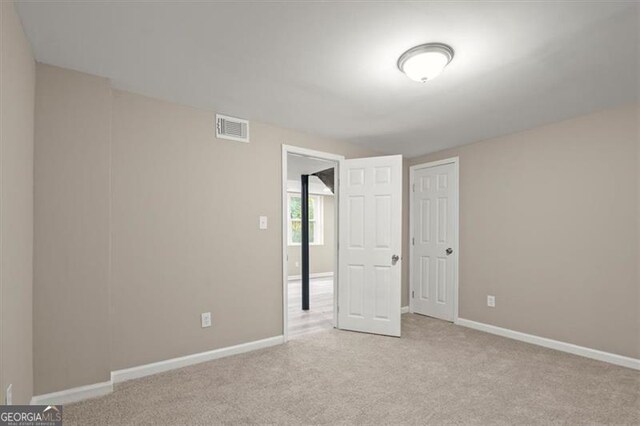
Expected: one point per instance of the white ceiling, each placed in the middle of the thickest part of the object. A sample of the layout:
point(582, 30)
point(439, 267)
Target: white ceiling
point(329, 68)
point(298, 165)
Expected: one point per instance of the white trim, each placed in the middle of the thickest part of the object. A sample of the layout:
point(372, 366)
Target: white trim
point(312, 276)
point(290, 149)
point(456, 240)
point(311, 153)
point(434, 163)
point(183, 361)
point(74, 394)
point(404, 310)
point(294, 186)
point(100, 389)
point(620, 360)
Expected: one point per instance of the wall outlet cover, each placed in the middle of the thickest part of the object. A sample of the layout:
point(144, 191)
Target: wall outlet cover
point(205, 319)
point(9, 395)
point(263, 222)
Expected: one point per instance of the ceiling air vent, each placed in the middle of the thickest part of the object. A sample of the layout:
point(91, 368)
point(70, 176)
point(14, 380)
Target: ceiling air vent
point(235, 129)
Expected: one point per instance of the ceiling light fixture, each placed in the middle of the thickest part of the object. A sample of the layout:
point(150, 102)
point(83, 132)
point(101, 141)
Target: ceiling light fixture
point(425, 62)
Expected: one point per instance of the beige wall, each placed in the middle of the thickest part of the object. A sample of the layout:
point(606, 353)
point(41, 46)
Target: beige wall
point(148, 179)
point(17, 87)
point(71, 264)
point(549, 225)
point(179, 246)
point(321, 257)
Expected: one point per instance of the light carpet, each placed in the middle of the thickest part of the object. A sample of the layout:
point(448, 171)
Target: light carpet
point(437, 373)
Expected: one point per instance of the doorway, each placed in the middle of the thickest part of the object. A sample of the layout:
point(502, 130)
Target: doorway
point(310, 262)
point(367, 236)
point(434, 245)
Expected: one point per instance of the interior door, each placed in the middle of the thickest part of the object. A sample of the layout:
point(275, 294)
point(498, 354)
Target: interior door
point(370, 241)
point(434, 228)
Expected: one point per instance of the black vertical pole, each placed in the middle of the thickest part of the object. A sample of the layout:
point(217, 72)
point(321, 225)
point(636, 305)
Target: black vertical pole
point(305, 242)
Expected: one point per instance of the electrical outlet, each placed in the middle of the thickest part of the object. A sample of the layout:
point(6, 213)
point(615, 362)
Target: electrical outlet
point(491, 301)
point(9, 395)
point(297, 264)
point(263, 222)
point(205, 319)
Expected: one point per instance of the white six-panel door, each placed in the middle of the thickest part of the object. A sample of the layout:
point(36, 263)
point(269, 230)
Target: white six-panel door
point(434, 240)
point(370, 241)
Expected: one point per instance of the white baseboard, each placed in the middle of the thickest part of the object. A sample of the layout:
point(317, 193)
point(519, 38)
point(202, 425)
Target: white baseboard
point(99, 389)
point(74, 394)
point(318, 275)
point(183, 361)
point(404, 310)
point(621, 360)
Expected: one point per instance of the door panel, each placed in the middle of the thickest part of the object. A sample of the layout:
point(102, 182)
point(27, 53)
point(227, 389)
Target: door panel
point(356, 290)
point(425, 268)
point(355, 222)
point(434, 230)
point(382, 280)
point(382, 214)
point(370, 233)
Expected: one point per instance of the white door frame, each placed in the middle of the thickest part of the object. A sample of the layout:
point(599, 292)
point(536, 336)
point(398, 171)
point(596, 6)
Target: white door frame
point(286, 150)
point(456, 239)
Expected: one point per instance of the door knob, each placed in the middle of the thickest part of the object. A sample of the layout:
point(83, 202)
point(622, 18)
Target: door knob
point(449, 251)
point(394, 259)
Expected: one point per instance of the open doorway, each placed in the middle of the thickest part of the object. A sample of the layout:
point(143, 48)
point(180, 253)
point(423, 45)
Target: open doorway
point(367, 214)
point(310, 267)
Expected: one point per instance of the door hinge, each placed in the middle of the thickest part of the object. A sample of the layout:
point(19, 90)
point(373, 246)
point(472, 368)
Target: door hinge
point(413, 294)
point(413, 241)
point(413, 187)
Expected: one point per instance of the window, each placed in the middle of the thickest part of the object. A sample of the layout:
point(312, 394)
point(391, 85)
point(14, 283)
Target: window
point(295, 219)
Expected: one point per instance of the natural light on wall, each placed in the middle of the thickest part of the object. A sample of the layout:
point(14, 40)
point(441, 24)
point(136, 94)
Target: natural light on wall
point(425, 62)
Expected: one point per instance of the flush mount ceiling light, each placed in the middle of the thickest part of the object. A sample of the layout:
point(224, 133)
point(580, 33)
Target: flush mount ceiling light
point(425, 62)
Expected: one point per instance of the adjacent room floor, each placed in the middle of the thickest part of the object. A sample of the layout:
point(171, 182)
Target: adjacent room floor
point(436, 373)
point(319, 317)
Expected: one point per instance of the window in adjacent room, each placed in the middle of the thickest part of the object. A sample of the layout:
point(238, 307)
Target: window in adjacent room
point(295, 219)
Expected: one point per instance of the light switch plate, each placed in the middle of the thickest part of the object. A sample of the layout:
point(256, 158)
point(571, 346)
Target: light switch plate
point(205, 319)
point(263, 222)
point(491, 301)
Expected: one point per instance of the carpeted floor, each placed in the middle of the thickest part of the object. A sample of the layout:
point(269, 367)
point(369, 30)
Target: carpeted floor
point(436, 373)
